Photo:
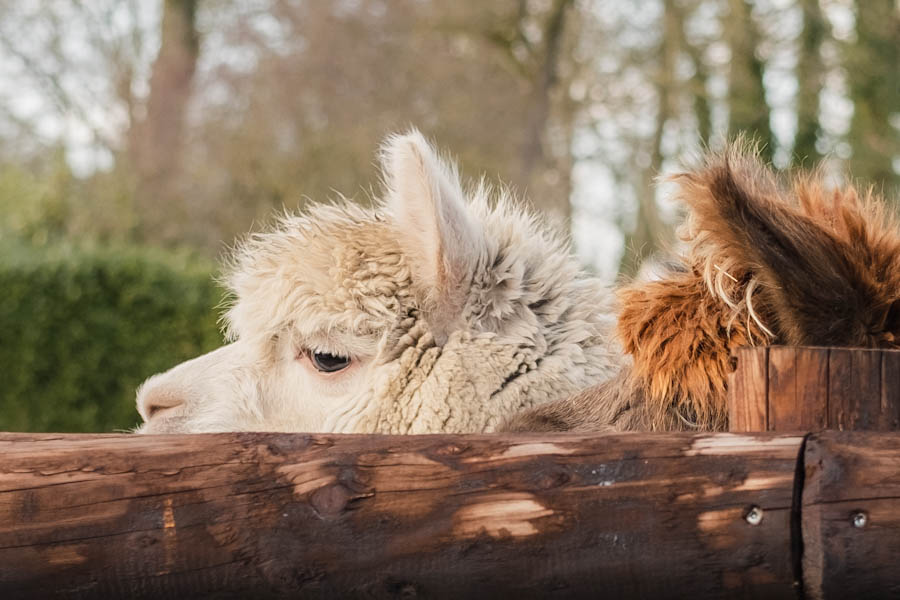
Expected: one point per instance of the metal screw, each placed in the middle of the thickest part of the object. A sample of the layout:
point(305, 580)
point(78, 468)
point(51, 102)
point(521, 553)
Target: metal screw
point(859, 519)
point(754, 515)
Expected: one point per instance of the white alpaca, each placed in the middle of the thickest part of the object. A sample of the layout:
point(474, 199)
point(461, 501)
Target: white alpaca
point(430, 313)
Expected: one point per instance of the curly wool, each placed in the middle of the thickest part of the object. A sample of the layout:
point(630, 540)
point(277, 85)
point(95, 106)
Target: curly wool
point(458, 309)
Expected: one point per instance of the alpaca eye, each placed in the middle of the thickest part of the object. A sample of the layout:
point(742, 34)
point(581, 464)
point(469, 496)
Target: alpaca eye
point(329, 363)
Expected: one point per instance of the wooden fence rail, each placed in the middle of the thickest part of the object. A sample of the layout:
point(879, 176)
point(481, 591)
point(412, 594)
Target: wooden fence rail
point(326, 516)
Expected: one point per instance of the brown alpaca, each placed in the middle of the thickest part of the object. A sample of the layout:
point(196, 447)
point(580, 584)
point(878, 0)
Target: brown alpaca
point(764, 264)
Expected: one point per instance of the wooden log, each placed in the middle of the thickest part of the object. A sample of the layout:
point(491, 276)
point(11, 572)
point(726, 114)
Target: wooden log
point(851, 516)
point(783, 388)
point(327, 516)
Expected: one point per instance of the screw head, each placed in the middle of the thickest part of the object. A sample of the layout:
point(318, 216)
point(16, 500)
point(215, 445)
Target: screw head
point(859, 519)
point(754, 516)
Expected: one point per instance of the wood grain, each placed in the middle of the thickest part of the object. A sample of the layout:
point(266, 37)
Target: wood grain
point(854, 393)
point(851, 515)
point(748, 390)
point(889, 408)
point(782, 390)
point(808, 389)
point(327, 516)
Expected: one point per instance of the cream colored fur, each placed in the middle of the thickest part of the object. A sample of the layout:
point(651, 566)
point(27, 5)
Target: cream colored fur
point(456, 309)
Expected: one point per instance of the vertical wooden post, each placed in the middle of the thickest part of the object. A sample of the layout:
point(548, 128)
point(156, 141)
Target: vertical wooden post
point(748, 390)
point(785, 388)
point(850, 507)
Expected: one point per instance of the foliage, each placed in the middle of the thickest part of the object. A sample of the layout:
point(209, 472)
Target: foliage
point(42, 202)
point(81, 328)
point(33, 201)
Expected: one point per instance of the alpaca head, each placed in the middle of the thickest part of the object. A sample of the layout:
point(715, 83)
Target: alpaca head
point(435, 311)
point(766, 261)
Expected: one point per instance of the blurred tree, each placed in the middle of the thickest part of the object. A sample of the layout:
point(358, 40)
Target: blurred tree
point(748, 110)
point(318, 86)
point(156, 142)
point(650, 233)
point(873, 72)
point(78, 75)
point(204, 117)
point(533, 41)
point(699, 82)
point(810, 73)
point(264, 110)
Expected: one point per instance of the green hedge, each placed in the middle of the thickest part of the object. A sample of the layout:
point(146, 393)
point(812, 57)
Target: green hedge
point(80, 329)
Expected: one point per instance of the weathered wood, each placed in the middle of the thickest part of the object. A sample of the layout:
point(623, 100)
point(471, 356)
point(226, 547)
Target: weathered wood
point(851, 516)
point(889, 409)
point(781, 392)
point(801, 389)
point(272, 515)
point(798, 385)
point(855, 390)
point(748, 390)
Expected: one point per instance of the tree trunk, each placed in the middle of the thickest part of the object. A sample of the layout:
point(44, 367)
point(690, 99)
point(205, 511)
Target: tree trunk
point(156, 142)
point(702, 108)
point(534, 160)
point(748, 111)
point(872, 73)
point(809, 81)
point(649, 233)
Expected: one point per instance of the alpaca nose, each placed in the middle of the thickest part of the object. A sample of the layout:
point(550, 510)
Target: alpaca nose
point(156, 399)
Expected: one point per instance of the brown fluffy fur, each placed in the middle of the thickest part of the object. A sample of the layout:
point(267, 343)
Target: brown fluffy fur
point(764, 263)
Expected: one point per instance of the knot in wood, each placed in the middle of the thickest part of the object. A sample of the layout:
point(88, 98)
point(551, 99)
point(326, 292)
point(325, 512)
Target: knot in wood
point(330, 500)
point(450, 449)
point(552, 478)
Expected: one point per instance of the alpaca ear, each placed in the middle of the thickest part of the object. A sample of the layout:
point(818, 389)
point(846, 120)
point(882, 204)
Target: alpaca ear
point(816, 291)
point(437, 232)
